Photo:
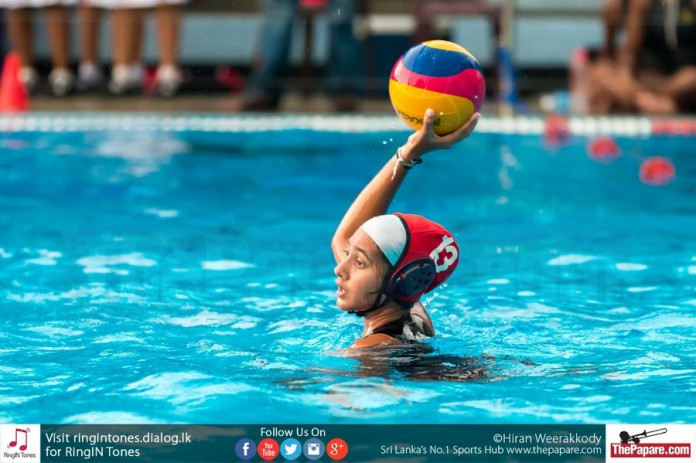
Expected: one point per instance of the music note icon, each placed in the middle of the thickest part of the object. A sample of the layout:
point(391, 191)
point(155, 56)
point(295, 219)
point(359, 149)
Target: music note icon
point(22, 447)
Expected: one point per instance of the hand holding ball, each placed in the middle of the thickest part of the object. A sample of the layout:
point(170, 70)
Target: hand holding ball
point(440, 75)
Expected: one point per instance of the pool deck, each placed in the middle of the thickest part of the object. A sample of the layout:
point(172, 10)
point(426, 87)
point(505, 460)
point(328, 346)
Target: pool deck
point(215, 102)
point(218, 102)
point(533, 120)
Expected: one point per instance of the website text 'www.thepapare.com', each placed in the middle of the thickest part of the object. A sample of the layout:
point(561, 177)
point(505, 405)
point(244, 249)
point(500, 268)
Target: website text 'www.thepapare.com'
point(34, 443)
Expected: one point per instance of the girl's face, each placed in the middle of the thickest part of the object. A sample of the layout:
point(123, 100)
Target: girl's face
point(360, 273)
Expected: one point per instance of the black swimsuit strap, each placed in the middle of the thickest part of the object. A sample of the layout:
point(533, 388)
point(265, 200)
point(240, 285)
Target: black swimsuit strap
point(393, 329)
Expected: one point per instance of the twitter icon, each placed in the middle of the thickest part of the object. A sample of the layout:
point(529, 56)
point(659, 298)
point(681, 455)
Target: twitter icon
point(291, 449)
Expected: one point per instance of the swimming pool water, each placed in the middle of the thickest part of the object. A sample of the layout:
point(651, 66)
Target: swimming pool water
point(185, 276)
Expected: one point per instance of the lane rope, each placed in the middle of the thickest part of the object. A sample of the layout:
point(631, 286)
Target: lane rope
point(249, 123)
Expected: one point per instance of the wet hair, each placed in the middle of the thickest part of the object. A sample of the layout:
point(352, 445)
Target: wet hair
point(383, 277)
point(382, 291)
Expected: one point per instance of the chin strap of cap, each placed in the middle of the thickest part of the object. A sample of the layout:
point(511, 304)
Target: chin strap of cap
point(379, 302)
point(410, 281)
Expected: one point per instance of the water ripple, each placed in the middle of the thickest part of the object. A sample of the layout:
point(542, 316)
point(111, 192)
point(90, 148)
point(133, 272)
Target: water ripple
point(184, 388)
point(110, 417)
point(208, 318)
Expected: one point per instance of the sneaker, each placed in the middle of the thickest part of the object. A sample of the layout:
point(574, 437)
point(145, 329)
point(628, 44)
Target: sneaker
point(167, 80)
point(89, 77)
point(29, 78)
point(126, 79)
point(119, 80)
point(136, 75)
point(61, 81)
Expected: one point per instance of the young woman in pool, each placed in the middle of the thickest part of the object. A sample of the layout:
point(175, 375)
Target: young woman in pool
point(385, 263)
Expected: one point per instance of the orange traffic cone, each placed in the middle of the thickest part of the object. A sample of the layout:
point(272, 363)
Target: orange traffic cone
point(13, 96)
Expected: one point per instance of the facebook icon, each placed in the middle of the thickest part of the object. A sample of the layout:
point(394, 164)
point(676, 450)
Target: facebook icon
point(245, 449)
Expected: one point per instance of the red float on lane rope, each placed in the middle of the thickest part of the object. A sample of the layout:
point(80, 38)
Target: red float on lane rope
point(657, 171)
point(603, 149)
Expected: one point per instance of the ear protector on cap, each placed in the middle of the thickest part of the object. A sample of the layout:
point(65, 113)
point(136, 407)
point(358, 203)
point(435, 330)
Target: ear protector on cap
point(429, 257)
point(422, 253)
point(413, 278)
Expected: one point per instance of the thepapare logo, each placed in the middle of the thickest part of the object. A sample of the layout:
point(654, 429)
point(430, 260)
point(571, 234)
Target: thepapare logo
point(650, 443)
point(20, 443)
point(626, 437)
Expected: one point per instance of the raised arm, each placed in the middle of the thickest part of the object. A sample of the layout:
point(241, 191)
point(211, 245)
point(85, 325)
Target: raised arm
point(377, 195)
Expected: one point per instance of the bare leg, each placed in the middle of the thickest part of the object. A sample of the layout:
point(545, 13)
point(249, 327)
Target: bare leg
point(58, 26)
point(135, 51)
point(614, 85)
point(168, 32)
point(127, 40)
point(612, 17)
point(669, 94)
point(654, 103)
point(21, 31)
point(636, 19)
point(611, 89)
point(681, 90)
point(89, 33)
point(126, 36)
point(90, 75)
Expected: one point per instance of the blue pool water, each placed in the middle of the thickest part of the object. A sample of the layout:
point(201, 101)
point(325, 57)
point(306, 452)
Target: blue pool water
point(179, 274)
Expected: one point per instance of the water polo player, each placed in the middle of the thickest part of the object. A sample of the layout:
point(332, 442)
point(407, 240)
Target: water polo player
point(385, 263)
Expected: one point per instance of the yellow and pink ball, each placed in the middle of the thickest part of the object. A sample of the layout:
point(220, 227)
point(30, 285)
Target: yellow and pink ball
point(440, 75)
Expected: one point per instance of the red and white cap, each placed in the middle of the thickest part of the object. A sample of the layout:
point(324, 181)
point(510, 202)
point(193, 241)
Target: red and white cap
point(423, 253)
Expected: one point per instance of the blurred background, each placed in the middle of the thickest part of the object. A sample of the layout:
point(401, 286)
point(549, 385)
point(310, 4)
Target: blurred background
point(530, 51)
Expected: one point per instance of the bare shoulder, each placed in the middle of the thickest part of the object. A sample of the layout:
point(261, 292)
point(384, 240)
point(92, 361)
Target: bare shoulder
point(378, 339)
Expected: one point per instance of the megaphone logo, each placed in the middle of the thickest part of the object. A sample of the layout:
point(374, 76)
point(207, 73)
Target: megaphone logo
point(626, 437)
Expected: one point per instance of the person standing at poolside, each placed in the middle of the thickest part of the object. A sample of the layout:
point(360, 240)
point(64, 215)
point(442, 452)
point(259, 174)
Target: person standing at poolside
point(386, 262)
point(20, 25)
point(127, 40)
point(345, 66)
point(654, 72)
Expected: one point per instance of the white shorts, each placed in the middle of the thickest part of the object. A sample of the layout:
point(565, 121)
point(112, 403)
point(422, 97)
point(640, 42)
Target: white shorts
point(34, 3)
point(132, 3)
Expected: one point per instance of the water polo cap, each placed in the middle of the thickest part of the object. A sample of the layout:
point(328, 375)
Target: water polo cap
point(422, 253)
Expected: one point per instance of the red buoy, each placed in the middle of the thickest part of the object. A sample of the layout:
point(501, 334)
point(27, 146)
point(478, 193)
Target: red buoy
point(603, 149)
point(556, 129)
point(657, 170)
